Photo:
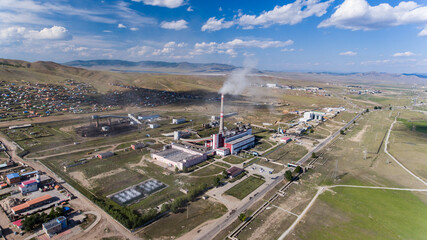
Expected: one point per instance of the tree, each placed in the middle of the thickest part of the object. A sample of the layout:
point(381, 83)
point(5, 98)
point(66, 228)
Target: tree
point(225, 174)
point(185, 169)
point(342, 132)
point(313, 155)
point(298, 169)
point(311, 130)
point(242, 217)
point(217, 182)
point(288, 175)
point(165, 207)
point(367, 110)
point(176, 170)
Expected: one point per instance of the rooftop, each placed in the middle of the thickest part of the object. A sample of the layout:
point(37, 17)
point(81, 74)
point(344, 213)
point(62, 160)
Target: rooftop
point(29, 182)
point(241, 139)
point(175, 155)
point(13, 175)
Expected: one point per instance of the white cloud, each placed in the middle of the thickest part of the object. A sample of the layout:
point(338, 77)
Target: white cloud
point(231, 46)
point(174, 44)
point(107, 31)
point(214, 24)
point(120, 25)
point(53, 33)
point(190, 9)
point(220, 9)
point(288, 50)
point(403, 54)
point(169, 48)
point(139, 51)
point(348, 53)
point(163, 3)
point(20, 33)
point(175, 25)
point(359, 15)
point(134, 29)
point(291, 14)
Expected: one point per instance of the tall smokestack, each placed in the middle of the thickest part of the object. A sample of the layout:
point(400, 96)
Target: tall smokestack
point(221, 117)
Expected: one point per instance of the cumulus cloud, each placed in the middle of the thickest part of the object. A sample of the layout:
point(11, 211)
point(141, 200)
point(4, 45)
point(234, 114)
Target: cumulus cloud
point(163, 3)
point(134, 29)
point(139, 51)
point(120, 25)
point(288, 50)
point(20, 33)
point(214, 24)
point(348, 53)
point(359, 15)
point(190, 9)
point(169, 48)
point(175, 25)
point(231, 46)
point(291, 13)
point(403, 54)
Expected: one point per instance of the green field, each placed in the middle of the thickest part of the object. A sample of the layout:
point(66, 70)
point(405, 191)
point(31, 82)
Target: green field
point(419, 126)
point(234, 159)
point(288, 153)
point(245, 187)
point(209, 170)
point(366, 214)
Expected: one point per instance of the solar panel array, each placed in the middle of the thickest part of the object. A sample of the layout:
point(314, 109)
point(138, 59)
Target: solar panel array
point(137, 192)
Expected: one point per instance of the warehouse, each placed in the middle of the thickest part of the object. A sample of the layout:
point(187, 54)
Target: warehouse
point(285, 140)
point(234, 171)
point(32, 204)
point(180, 156)
point(137, 146)
point(13, 178)
point(105, 155)
point(178, 120)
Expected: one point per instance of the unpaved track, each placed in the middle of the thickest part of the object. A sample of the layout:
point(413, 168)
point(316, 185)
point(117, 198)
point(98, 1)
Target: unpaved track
point(394, 159)
point(322, 189)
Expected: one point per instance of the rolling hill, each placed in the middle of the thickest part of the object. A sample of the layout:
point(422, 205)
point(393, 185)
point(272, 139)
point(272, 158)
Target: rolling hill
point(152, 66)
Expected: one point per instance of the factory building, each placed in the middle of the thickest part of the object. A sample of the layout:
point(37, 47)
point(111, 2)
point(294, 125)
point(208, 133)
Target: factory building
point(55, 226)
point(149, 118)
point(180, 156)
point(28, 186)
point(308, 116)
point(239, 144)
point(178, 120)
point(13, 178)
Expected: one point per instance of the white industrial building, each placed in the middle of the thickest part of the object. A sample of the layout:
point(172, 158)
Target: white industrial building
point(308, 116)
point(178, 120)
point(28, 186)
point(180, 156)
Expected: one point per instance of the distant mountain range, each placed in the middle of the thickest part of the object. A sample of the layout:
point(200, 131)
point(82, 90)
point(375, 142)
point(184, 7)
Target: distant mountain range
point(152, 66)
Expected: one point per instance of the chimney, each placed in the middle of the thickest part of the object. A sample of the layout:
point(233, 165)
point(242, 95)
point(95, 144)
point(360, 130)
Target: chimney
point(221, 117)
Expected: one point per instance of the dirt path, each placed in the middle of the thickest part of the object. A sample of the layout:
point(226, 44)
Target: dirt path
point(359, 135)
point(107, 174)
point(81, 178)
point(322, 189)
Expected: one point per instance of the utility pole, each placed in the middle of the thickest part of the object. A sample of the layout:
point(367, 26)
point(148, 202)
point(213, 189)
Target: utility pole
point(364, 154)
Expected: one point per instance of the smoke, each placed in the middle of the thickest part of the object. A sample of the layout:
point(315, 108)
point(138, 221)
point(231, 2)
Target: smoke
point(238, 80)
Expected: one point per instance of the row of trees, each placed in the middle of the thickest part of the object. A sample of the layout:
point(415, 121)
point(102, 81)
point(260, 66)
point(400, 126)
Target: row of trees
point(289, 175)
point(34, 221)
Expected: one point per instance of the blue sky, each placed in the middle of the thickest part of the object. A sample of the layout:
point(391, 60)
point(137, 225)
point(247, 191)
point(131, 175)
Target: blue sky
point(301, 35)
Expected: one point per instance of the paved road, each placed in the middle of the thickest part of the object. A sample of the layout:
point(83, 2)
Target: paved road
point(394, 159)
point(232, 217)
point(225, 223)
point(327, 141)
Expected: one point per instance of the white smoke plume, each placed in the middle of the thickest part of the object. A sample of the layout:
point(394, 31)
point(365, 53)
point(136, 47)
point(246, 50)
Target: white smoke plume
point(238, 80)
